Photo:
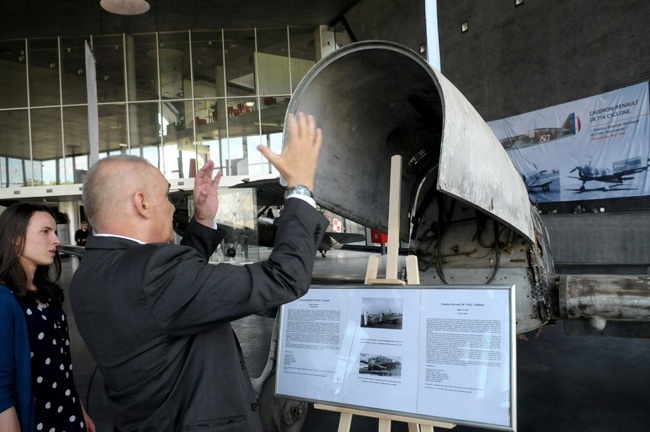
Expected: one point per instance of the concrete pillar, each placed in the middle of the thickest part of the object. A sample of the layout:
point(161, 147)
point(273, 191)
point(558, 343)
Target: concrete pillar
point(71, 209)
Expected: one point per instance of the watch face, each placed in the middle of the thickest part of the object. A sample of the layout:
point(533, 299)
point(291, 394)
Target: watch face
point(299, 190)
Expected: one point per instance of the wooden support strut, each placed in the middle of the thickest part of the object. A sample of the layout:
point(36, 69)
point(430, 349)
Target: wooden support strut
point(413, 278)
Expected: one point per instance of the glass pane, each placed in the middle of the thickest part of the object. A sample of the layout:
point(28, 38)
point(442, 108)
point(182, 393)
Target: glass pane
point(171, 160)
point(303, 53)
point(273, 115)
point(144, 127)
point(112, 129)
point(174, 58)
point(176, 122)
point(238, 216)
point(13, 75)
point(272, 59)
point(142, 67)
point(207, 64)
point(109, 56)
point(48, 144)
point(275, 144)
point(75, 124)
point(14, 136)
point(150, 153)
point(232, 153)
point(243, 120)
point(240, 68)
point(215, 153)
point(73, 76)
point(44, 72)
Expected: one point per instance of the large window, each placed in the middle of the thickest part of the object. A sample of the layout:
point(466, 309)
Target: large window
point(175, 98)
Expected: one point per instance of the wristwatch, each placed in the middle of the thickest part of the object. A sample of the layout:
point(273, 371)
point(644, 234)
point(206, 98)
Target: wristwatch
point(298, 190)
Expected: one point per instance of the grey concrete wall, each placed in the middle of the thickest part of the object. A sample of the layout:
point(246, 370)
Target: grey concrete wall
point(600, 238)
point(400, 21)
point(518, 59)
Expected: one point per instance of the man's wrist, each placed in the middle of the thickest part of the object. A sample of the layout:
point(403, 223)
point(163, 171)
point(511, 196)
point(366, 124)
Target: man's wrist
point(301, 192)
point(298, 190)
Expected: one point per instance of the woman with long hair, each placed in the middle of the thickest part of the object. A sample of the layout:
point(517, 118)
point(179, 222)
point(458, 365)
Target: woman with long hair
point(41, 394)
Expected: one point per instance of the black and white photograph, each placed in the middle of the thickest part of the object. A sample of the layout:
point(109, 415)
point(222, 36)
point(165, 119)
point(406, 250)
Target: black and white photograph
point(383, 313)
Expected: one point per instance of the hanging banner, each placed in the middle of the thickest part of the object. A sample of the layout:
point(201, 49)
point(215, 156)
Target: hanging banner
point(593, 148)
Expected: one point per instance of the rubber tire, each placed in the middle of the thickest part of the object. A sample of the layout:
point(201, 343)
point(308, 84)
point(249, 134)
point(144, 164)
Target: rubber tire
point(279, 414)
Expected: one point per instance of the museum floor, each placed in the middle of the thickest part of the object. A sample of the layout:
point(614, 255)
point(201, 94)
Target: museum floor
point(565, 383)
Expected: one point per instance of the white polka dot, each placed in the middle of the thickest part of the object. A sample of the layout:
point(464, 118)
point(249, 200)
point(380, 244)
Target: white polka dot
point(53, 430)
point(67, 393)
point(55, 326)
point(81, 425)
point(53, 341)
point(61, 367)
point(47, 361)
point(70, 366)
point(62, 317)
point(31, 354)
point(72, 418)
point(54, 385)
point(67, 342)
point(48, 405)
point(74, 399)
point(44, 317)
point(41, 335)
point(39, 426)
point(39, 379)
point(29, 312)
point(67, 375)
point(60, 409)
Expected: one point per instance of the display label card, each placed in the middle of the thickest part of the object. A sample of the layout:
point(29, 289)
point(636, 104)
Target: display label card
point(442, 353)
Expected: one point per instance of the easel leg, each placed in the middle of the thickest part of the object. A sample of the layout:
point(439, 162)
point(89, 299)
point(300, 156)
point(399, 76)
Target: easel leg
point(345, 422)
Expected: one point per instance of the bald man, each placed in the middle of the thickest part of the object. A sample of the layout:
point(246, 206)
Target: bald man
point(156, 316)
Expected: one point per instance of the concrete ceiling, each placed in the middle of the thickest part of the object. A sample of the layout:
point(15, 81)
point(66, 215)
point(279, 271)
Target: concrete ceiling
point(46, 18)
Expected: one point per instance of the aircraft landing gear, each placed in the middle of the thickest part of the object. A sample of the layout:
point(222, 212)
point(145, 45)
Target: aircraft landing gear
point(279, 414)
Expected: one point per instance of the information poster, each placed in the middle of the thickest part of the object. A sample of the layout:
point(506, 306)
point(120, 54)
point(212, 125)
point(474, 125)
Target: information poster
point(593, 148)
point(440, 353)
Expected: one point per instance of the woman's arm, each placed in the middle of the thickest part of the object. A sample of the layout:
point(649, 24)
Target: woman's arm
point(9, 420)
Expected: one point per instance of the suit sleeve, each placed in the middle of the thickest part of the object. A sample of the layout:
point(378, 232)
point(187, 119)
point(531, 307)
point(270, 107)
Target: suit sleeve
point(187, 295)
point(205, 240)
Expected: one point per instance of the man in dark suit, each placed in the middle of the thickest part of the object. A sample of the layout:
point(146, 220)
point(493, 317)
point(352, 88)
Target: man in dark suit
point(156, 317)
point(81, 235)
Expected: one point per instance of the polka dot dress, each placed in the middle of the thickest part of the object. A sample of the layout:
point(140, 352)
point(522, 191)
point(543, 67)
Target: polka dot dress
point(58, 408)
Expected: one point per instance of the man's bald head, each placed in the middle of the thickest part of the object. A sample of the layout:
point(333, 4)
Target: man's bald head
point(109, 186)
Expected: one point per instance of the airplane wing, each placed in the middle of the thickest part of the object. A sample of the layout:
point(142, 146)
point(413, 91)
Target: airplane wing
point(269, 191)
point(346, 237)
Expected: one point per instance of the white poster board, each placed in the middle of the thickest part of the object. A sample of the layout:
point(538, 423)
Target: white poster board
point(439, 353)
point(593, 148)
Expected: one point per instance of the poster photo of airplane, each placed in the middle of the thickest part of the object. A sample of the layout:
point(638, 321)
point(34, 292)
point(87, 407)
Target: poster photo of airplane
point(593, 148)
point(384, 313)
point(543, 135)
point(594, 178)
point(382, 365)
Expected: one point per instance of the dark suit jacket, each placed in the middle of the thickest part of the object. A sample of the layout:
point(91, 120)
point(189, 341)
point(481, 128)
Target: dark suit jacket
point(156, 318)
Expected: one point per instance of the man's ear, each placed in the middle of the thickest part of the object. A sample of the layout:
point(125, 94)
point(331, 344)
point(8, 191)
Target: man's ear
point(141, 204)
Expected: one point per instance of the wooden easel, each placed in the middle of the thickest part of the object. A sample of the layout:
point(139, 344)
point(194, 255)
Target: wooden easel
point(413, 278)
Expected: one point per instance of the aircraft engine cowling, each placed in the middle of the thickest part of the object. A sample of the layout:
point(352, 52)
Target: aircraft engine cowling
point(465, 210)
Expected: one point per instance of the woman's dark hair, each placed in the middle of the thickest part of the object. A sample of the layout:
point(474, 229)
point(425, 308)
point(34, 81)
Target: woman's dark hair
point(13, 228)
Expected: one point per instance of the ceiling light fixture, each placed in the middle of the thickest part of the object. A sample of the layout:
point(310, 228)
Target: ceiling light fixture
point(125, 7)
